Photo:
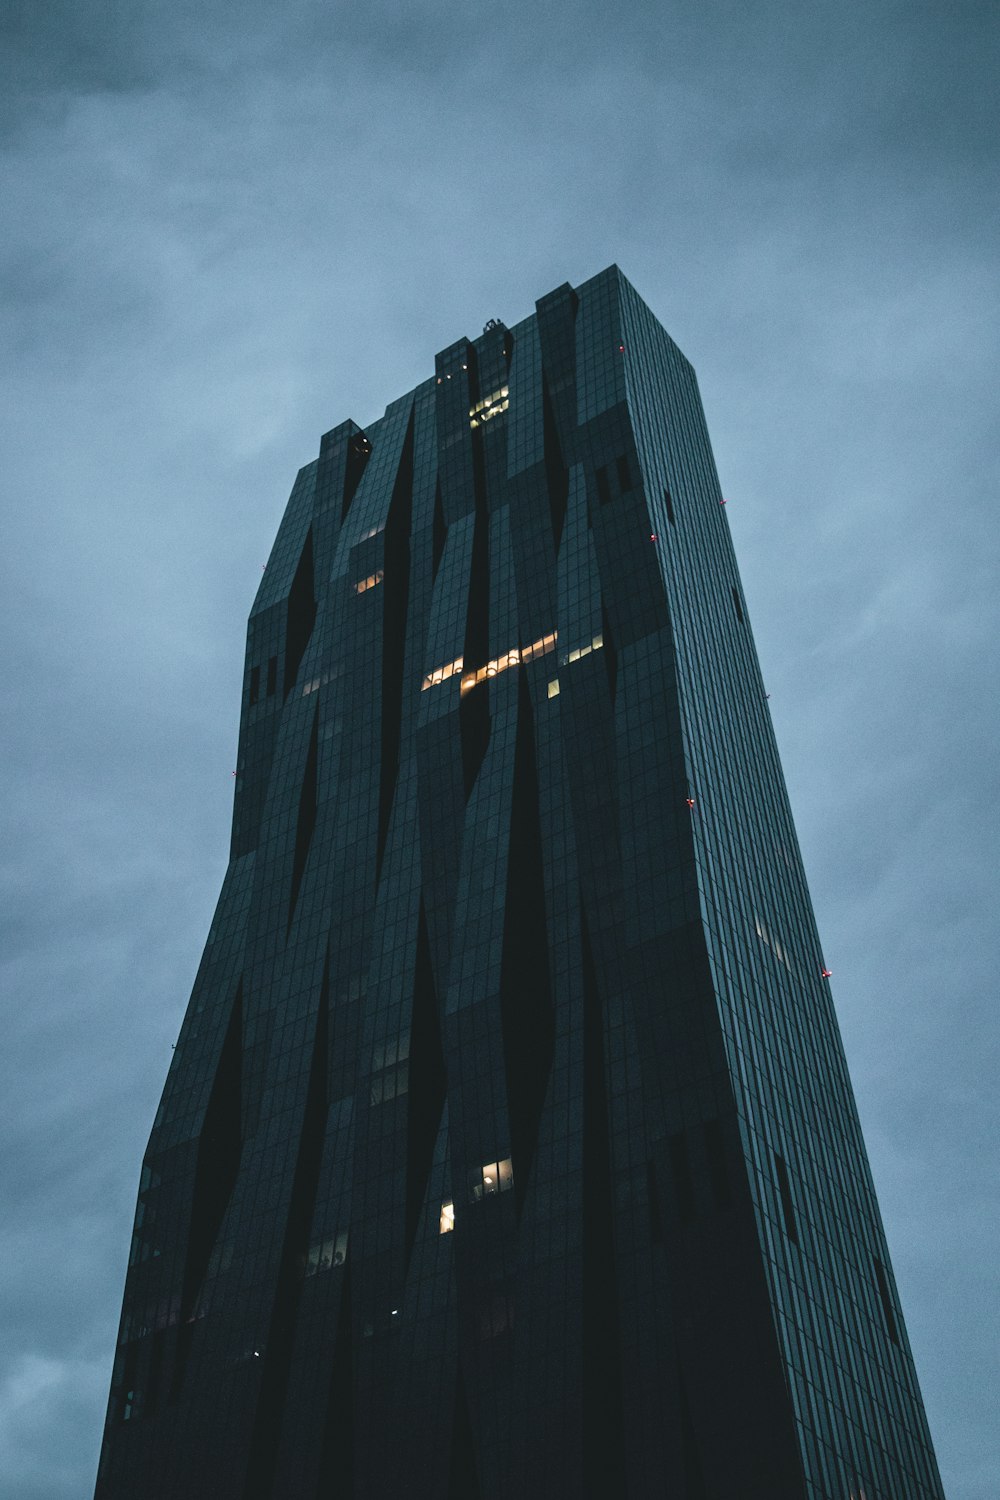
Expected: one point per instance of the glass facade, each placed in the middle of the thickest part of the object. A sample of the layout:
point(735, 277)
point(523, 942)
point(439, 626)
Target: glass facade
point(508, 1146)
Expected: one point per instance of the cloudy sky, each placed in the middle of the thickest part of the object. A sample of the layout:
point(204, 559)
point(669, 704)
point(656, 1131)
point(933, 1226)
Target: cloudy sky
point(230, 227)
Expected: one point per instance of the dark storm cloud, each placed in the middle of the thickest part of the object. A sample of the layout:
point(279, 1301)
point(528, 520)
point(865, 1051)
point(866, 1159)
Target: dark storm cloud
point(232, 227)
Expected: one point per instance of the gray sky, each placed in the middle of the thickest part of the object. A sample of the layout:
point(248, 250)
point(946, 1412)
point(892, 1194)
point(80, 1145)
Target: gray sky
point(231, 227)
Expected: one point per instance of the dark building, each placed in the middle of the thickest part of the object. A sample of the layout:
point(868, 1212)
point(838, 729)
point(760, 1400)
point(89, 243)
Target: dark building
point(508, 1148)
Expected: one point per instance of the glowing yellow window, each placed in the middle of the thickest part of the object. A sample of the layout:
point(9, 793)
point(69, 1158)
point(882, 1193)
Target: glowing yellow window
point(364, 584)
point(554, 688)
point(446, 1223)
point(486, 1181)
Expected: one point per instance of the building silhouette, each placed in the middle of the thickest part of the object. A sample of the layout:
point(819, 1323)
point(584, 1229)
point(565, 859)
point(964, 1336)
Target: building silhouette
point(508, 1147)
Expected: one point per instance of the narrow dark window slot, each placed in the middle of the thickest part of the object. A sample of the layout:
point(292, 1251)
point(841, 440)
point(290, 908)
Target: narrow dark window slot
point(336, 1465)
point(718, 1171)
point(254, 685)
point(308, 804)
point(683, 1181)
point(395, 597)
point(655, 1222)
point(300, 615)
point(526, 1015)
point(428, 1083)
point(556, 473)
point(883, 1291)
point(440, 532)
point(785, 1193)
point(624, 476)
point(463, 1482)
point(358, 453)
point(603, 488)
point(272, 676)
point(670, 506)
point(737, 605)
point(610, 652)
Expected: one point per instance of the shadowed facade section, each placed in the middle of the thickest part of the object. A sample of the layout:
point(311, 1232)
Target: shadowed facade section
point(508, 1146)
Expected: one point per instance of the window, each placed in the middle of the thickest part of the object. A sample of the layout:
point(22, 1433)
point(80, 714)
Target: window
point(593, 645)
point(670, 506)
point(446, 1221)
point(364, 584)
point(603, 488)
point(488, 407)
point(553, 689)
point(390, 1071)
point(272, 676)
point(254, 685)
point(486, 1181)
point(624, 477)
point(326, 1255)
point(737, 605)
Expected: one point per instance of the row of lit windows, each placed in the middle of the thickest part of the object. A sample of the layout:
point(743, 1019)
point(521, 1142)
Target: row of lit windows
point(364, 584)
point(484, 1182)
point(489, 406)
point(514, 658)
point(442, 673)
point(574, 655)
point(541, 647)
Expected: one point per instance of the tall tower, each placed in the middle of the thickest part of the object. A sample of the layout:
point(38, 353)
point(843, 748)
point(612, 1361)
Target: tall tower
point(508, 1148)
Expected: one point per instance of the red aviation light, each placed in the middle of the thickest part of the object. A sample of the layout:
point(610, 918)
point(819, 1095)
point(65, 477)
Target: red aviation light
point(621, 348)
point(653, 537)
point(826, 973)
point(690, 802)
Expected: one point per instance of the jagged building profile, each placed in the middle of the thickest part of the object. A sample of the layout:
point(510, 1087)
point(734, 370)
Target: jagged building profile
point(508, 1147)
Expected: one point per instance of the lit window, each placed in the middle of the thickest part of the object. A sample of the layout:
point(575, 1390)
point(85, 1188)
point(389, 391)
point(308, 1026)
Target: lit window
point(446, 1222)
point(489, 406)
point(365, 584)
point(578, 651)
point(554, 688)
point(512, 658)
point(486, 1181)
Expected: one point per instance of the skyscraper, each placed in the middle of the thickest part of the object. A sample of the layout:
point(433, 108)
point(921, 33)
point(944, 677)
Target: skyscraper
point(508, 1147)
